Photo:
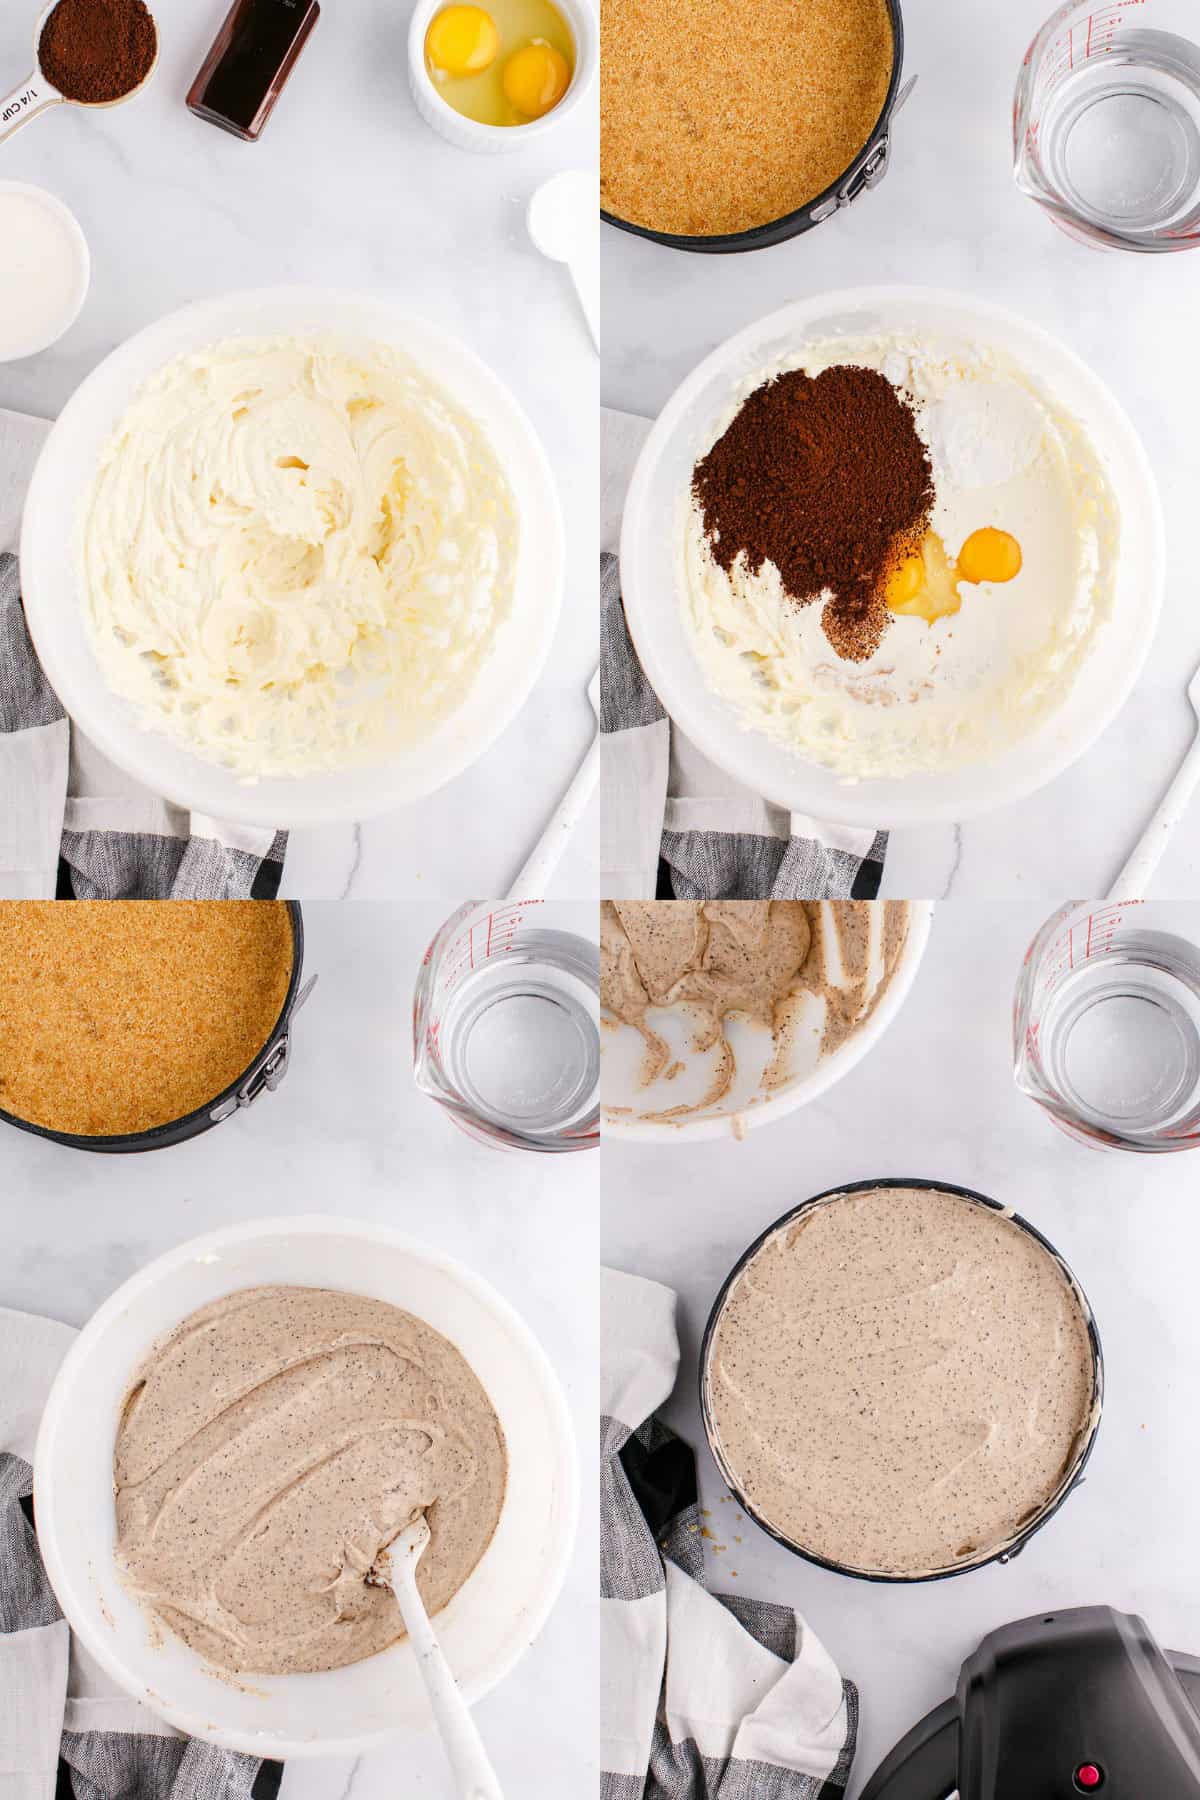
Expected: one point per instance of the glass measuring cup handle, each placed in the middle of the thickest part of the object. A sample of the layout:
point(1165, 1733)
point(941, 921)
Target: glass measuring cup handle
point(34, 95)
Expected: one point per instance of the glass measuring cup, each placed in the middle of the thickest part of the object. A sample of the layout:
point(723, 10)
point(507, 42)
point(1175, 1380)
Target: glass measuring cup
point(1106, 123)
point(1106, 1024)
point(506, 1024)
point(36, 95)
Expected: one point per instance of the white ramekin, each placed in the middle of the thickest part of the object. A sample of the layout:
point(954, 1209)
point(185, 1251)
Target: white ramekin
point(54, 325)
point(488, 1624)
point(469, 134)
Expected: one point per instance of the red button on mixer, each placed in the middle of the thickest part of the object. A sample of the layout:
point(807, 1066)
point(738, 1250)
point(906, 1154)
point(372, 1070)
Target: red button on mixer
point(1088, 1777)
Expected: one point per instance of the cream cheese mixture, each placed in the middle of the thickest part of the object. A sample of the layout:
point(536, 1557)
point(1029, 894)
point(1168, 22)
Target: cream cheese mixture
point(296, 554)
point(762, 960)
point(271, 1446)
point(1005, 455)
point(899, 1380)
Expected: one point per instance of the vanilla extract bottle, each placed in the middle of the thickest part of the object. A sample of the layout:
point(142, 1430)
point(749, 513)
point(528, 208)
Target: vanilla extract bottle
point(250, 62)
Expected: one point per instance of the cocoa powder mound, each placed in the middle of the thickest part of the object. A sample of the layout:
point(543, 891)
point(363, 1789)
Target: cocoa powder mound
point(97, 51)
point(826, 477)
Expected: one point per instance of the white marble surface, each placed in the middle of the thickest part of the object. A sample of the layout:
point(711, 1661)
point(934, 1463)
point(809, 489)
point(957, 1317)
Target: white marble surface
point(348, 1133)
point(348, 187)
point(948, 214)
point(935, 1098)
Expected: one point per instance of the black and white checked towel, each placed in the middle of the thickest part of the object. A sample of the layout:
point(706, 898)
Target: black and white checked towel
point(65, 1729)
point(672, 824)
point(71, 824)
point(703, 1696)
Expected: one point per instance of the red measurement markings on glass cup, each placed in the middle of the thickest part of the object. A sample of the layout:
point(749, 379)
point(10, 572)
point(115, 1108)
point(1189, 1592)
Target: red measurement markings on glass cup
point(1091, 37)
point(1092, 937)
point(490, 936)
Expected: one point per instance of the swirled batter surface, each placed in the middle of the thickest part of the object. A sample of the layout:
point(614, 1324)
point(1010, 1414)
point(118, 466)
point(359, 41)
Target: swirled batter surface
point(271, 1446)
point(296, 554)
point(754, 958)
point(900, 1379)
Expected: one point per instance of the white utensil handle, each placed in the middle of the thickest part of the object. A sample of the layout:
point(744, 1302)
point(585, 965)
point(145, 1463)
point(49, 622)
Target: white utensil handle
point(473, 1772)
point(589, 300)
point(33, 96)
point(1135, 877)
point(534, 879)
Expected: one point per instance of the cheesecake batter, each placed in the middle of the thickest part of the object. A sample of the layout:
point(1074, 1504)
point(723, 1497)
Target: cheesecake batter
point(271, 1446)
point(757, 958)
point(900, 1380)
point(1005, 455)
point(296, 554)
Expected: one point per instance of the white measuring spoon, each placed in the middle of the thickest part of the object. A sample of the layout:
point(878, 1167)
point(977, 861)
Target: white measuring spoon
point(396, 1567)
point(37, 95)
point(564, 223)
point(1135, 877)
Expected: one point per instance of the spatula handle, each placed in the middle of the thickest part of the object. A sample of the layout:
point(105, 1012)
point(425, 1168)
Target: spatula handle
point(473, 1772)
point(543, 860)
point(1135, 877)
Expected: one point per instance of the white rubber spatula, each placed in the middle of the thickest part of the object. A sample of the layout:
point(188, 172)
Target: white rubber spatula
point(534, 878)
point(396, 1567)
point(564, 223)
point(1136, 875)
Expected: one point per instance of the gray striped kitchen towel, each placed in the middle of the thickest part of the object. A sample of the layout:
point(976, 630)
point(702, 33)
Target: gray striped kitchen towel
point(703, 1696)
point(71, 824)
point(65, 1729)
point(672, 824)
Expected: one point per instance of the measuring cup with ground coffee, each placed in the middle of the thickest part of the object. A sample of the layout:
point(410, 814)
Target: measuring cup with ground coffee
point(86, 53)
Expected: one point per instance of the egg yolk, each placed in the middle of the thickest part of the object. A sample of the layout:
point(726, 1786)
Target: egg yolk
point(535, 79)
point(462, 40)
point(904, 583)
point(989, 555)
point(923, 584)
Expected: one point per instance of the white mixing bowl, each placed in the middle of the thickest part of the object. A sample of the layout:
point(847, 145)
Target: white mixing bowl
point(50, 574)
point(487, 1625)
point(747, 1105)
point(650, 579)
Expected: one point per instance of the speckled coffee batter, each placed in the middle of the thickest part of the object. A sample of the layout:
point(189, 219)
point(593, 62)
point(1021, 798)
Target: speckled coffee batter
point(752, 957)
point(269, 1448)
point(900, 1379)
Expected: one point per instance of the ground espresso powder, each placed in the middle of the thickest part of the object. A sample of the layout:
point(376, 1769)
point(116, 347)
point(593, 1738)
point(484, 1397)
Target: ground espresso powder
point(97, 50)
point(826, 477)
